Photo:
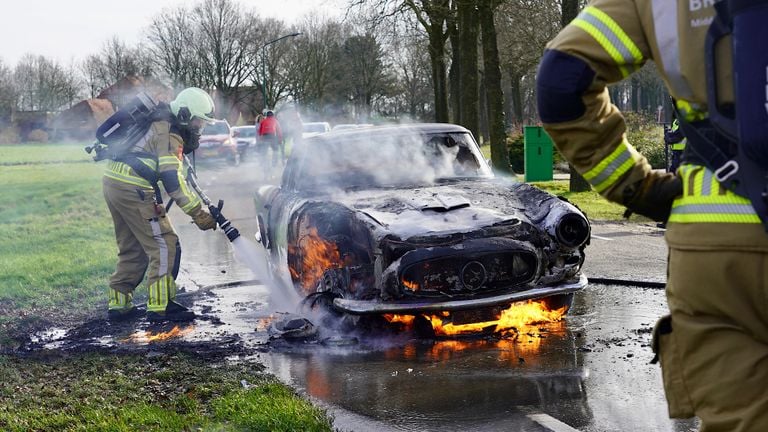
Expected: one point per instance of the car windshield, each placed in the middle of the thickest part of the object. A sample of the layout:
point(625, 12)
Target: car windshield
point(246, 132)
point(314, 127)
point(216, 129)
point(392, 160)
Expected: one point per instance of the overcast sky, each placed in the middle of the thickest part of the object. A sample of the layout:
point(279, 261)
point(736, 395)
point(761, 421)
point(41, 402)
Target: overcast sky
point(68, 30)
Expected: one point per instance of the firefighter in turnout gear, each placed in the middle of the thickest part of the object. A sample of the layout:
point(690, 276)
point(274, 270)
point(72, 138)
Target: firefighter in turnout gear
point(674, 138)
point(714, 344)
point(146, 241)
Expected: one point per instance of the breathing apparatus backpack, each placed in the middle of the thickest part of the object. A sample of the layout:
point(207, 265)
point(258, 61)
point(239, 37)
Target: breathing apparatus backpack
point(733, 141)
point(117, 136)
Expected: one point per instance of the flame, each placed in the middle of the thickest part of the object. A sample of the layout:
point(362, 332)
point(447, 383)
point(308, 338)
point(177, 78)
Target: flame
point(413, 286)
point(265, 321)
point(149, 337)
point(318, 255)
point(513, 320)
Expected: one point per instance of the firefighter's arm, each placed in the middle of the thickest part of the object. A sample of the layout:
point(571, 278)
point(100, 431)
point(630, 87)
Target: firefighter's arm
point(172, 176)
point(604, 44)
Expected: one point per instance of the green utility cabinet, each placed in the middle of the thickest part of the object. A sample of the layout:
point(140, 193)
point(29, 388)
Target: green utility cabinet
point(538, 154)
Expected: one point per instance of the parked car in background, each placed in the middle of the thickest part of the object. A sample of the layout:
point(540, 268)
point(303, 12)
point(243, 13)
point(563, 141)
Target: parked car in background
point(350, 126)
point(245, 136)
point(311, 129)
point(410, 220)
point(217, 141)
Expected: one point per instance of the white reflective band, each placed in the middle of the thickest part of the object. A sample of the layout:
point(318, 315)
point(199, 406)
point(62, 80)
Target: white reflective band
point(665, 19)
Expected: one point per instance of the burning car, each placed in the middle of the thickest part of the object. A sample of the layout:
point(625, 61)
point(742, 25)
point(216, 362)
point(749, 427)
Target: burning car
point(408, 220)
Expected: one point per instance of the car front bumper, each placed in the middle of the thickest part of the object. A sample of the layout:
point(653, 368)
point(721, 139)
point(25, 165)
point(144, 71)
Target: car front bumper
point(367, 307)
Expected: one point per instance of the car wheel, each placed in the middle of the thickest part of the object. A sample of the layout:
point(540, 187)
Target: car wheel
point(558, 301)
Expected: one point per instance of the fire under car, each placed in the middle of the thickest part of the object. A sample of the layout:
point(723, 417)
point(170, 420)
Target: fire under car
point(407, 220)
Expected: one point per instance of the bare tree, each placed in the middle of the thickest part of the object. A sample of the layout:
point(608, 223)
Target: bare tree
point(170, 43)
point(7, 94)
point(119, 60)
point(433, 15)
point(364, 75)
point(410, 59)
point(225, 47)
point(43, 85)
point(311, 63)
point(494, 94)
point(524, 28)
point(91, 70)
point(466, 53)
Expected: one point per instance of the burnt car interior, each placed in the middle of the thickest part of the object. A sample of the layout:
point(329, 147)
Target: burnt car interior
point(412, 159)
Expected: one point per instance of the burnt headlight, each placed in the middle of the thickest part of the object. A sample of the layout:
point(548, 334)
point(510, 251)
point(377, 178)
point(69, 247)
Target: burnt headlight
point(572, 230)
point(567, 224)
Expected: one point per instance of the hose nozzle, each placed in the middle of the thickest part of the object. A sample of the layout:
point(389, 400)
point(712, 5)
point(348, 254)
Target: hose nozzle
point(223, 223)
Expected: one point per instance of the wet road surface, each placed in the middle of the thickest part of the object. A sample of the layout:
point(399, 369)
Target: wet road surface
point(590, 372)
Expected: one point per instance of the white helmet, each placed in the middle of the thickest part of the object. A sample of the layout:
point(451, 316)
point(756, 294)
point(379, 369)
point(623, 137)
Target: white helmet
point(193, 102)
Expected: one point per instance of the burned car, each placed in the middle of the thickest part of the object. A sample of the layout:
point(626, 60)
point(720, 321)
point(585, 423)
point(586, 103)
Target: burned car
point(410, 219)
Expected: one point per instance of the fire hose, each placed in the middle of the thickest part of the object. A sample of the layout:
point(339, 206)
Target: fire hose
point(223, 223)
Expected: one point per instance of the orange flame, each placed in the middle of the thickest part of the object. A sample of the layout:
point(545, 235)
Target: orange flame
point(413, 286)
point(318, 255)
point(149, 337)
point(511, 320)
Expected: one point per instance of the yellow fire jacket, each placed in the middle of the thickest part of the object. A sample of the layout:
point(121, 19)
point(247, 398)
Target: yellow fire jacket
point(166, 147)
point(608, 41)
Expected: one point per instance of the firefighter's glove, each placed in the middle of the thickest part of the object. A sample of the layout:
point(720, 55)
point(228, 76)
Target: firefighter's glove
point(652, 197)
point(203, 219)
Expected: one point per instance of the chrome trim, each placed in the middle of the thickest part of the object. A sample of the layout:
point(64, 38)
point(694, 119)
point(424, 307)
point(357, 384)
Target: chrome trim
point(364, 307)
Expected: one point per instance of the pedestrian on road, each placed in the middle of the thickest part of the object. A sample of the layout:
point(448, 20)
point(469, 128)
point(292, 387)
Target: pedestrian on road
point(270, 133)
point(146, 241)
point(714, 347)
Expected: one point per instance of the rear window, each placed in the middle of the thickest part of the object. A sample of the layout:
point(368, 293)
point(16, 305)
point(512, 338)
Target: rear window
point(246, 132)
point(315, 127)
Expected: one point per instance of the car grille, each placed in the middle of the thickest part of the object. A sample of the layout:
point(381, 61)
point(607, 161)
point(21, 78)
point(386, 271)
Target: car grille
point(461, 274)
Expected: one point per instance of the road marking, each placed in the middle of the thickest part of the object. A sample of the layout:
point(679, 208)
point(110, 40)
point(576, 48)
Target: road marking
point(601, 237)
point(552, 424)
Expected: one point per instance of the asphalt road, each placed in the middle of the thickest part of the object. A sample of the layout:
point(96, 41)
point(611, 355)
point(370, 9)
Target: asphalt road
point(589, 373)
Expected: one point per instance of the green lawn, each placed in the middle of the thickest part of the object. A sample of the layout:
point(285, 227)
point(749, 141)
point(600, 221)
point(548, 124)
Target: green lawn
point(57, 248)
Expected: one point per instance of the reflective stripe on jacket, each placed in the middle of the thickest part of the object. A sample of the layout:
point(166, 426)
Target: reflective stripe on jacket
point(704, 200)
point(167, 148)
point(614, 38)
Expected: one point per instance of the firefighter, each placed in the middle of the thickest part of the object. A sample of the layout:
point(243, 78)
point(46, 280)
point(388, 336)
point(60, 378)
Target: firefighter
point(674, 138)
point(713, 346)
point(147, 243)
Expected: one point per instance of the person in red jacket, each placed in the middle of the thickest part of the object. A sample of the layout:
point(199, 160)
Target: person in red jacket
point(270, 133)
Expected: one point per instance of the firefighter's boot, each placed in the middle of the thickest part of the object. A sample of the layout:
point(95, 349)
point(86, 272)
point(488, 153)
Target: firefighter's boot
point(161, 305)
point(121, 306)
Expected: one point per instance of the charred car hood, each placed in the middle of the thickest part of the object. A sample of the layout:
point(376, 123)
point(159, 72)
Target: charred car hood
point(448, 208)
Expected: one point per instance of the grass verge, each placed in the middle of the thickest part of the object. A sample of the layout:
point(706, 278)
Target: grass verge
point(160, 392)
point(57, 248)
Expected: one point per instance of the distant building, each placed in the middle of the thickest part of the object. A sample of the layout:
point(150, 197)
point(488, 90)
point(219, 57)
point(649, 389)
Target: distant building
point(80, 121)
point(124, 90)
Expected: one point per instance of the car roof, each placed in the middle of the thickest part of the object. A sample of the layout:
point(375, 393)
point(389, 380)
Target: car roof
point(244, 127)
point(383, 130)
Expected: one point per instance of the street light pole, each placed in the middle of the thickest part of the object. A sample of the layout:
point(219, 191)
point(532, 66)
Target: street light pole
point(264, 65)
